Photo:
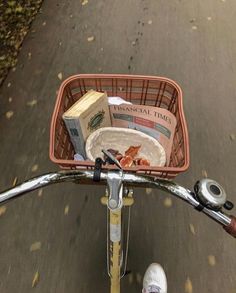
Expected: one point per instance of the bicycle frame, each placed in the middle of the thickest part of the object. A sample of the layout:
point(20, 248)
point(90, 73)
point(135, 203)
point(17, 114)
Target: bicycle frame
point(115, 200)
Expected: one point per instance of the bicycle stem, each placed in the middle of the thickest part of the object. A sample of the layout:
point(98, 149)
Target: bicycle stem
point(127, 179)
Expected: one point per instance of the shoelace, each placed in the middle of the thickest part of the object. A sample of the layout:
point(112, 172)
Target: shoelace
point(154, 289)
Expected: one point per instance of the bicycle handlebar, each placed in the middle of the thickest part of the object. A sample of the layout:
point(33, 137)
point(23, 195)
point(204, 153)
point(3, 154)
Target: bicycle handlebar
point(129, 179)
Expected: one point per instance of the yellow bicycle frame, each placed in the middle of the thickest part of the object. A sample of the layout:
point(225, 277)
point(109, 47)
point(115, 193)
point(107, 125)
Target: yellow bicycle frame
point(115, 242)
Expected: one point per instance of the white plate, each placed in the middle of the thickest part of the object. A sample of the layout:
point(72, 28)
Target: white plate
point(121, 139)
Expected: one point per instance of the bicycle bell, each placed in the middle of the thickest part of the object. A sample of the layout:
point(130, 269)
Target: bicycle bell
point(210, 194)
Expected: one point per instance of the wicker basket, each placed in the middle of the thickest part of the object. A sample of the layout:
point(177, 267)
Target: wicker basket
point(142, 90)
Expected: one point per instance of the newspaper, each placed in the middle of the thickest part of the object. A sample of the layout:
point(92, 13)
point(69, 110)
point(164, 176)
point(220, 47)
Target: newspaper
point(156, 122)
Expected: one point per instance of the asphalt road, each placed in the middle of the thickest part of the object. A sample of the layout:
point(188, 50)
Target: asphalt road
point(192, 42)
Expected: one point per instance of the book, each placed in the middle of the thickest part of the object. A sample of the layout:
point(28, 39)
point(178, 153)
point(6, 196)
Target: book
point(88, 114)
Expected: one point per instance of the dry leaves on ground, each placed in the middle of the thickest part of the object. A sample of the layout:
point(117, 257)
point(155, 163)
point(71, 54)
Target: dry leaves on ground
point(148, 190)
point(2, 210)
point(204, 173)
point(14, 182)
point(91, 39)
point(34, 168)
point(9, 84)
point(44, 23)
point(35, 246)
point(211, 260)
point(15, 20)
point(59, 76)
point(194, 27)
point(192, 229)
point(168, 202)
point(9, 114)
point(35, 279)
point(66, 211)
point(84, 2)
point(232, 136)
point(32, 103)
point(188, 286)
point(40, 192)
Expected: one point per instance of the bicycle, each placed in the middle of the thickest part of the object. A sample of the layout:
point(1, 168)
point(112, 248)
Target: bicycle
point(208, 196)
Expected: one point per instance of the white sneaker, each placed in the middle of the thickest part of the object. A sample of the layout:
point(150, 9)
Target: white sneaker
point(154, 279)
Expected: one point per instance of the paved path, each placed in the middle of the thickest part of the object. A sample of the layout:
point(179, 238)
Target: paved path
point(192, 42)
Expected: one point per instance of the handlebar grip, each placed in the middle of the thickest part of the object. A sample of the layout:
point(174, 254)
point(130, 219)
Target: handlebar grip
point(231, 228)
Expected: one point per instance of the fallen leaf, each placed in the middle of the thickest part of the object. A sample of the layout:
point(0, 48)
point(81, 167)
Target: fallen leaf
point(60, 43)
point(19, 9)
point(150, 21)
point(32, 103)
point(9, 84)
point(35, 279)
point(204, 173)
point(13, 69)
point(148, 190)
point(133, 43)
point(232, 136)
point(59, 76)
point(34, 168)
point(29, 55)
point(11, 3)
point(209, 18)
point(194, 27)
point(84, 2)
point(71, 15)
point(192, 229)
point(168, 202)
point(14, 181)
point(2, 210)
point(9, 114)
point(211, 260)
point(66, 211)
point(35, 246)
point(40, 192)
point(10, 99)
point(188, 286)
point(44, 23)
point(138, 278)
point(91, 39)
